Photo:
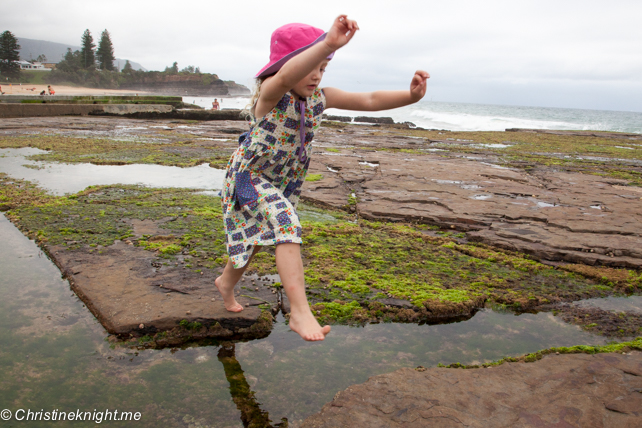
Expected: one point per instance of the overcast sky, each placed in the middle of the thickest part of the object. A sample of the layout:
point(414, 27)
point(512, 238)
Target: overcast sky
point(562, 53)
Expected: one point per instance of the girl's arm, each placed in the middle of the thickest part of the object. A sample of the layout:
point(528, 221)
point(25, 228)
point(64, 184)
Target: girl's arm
point(378, 100)
point(293, 71)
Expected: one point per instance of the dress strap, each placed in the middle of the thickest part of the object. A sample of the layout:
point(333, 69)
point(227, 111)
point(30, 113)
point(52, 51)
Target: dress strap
point(302, 154)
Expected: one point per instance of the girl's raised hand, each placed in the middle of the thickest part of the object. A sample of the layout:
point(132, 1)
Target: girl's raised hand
point(341, 33)
point(418, 85)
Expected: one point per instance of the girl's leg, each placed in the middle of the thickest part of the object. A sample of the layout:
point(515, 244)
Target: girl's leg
point(290, 267)
point(226, 282)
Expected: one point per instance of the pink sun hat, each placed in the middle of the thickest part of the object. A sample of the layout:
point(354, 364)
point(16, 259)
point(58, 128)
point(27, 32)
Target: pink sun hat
point(289, 41)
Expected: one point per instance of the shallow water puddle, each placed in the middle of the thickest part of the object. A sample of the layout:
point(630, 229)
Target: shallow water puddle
point(481, 197)
point(620, 304)
point(492, 146)
point(373, 165)
point(53, 355)
point(62, 178)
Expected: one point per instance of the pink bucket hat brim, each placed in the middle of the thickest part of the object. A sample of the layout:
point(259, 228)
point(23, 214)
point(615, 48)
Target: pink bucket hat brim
point(289, 41)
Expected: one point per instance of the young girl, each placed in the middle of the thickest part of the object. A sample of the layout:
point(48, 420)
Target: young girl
point(265, 174)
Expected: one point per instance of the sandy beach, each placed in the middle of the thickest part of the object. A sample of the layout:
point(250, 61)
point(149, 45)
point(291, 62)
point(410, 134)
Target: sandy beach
point(32, 89)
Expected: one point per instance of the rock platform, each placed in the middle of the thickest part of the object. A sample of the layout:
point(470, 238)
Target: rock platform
point(549, 214)
point(381, 172)
point(575, 390)
point(132, 297)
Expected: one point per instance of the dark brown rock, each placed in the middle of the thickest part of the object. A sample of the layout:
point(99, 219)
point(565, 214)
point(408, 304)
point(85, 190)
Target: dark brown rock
point(368, 119)
point(599, 321)
point(575, 390)
point(338, 118)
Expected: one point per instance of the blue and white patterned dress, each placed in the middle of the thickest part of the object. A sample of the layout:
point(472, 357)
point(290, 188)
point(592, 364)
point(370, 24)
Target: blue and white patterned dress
point(264, 178)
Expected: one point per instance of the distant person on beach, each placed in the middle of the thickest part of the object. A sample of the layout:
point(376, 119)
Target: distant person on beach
point(43, 92)
point(1, 93)
point(216, 105)
point(264, 176)
point(51, 91)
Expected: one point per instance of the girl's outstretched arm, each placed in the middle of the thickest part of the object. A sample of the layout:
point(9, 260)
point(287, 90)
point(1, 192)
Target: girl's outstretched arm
point(378, 100)
point(293, 71)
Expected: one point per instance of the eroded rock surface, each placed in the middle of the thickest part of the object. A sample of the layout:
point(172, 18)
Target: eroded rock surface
point(549, 214)
point(577, 390)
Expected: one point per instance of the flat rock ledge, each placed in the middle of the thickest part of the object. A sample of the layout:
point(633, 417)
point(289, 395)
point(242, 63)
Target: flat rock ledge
point(570, 390)
point(167, 305)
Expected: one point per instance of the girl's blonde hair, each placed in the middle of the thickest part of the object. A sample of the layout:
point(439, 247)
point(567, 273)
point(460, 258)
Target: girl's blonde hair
point(249, 109)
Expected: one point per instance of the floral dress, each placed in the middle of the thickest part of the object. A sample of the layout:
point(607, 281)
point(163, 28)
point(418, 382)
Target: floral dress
point(265, 174)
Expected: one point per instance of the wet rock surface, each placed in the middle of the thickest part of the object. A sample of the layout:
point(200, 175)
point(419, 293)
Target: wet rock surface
point(131, 293)
point(550, 214)
point(579, 390)
point(600, 321)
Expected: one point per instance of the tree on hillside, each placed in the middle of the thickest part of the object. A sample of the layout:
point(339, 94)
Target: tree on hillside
point(188, 69)
point(87, 54)
point(9, 55)
point(41, 58)
point(128, 67)
point(173, 69)
point(105, 52)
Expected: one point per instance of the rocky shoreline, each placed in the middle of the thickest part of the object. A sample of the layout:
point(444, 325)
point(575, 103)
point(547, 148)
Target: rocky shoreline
point(524, 235)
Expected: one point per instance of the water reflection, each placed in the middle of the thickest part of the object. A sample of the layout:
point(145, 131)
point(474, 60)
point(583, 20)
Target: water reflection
point(62, 178)
point(243, 396)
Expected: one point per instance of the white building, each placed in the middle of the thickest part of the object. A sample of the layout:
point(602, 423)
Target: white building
point(25, 65)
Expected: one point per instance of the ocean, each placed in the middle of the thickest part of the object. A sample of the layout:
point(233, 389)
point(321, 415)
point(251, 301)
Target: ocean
point(482, 117)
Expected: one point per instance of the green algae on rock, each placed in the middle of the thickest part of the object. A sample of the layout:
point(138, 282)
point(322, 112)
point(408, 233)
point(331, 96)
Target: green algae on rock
point(620, 347)
point(589, 152)
point(153, 252)
point(395, 272)
point(161, 148)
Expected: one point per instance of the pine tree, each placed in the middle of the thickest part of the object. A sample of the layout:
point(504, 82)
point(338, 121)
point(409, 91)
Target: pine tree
point(128, 67)
point(87, 53)
point(9, 55)
point(105, 52)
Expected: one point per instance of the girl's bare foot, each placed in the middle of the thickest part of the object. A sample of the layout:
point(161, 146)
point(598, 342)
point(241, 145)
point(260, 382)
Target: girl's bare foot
point(307, 326)
point(228, 296)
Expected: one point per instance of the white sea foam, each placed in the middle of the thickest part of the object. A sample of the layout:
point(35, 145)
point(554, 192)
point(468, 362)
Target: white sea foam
point(481, 117)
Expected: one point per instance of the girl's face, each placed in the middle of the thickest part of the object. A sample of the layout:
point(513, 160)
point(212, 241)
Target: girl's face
point(310, 83)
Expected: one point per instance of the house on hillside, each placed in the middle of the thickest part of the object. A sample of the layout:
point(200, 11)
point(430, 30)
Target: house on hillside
point(26, 65)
